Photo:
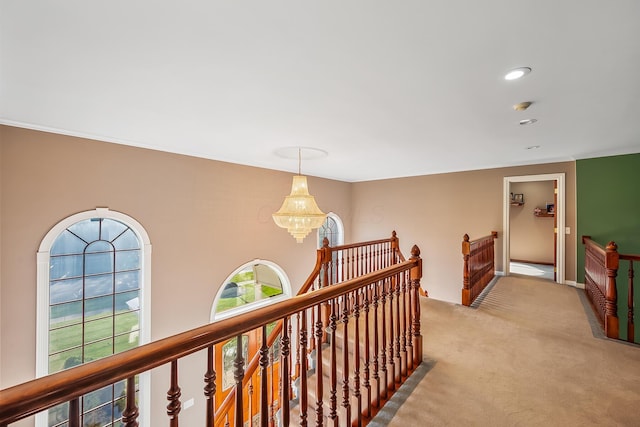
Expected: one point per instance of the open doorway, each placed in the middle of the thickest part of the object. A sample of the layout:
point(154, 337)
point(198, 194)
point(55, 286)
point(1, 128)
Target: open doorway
point(544, 209)
point(531, 226)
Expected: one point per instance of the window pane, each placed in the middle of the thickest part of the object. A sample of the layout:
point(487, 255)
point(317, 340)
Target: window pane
point(99, 263)
point(128, 240)
point(67, 243)
point(87, 230)
point(127, 301)
point(58, 414)
point(70, 312)
point(100, 306)
point(127, 260)
point(127, 280)
point(120, 387)
point(98, 417)
point(65, 290)
point(98, 329)
point(65, 338)
point(62, 267)
point(127, 322)
point(228, 360)
point(65, 360)
point(127, 341)
point(99, 246)
point(111, 229)
point(98, 350)
point(97, 398)
point(98, 285)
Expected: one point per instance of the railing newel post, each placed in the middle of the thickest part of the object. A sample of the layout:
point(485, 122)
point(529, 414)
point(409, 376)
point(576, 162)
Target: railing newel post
point(611, 326)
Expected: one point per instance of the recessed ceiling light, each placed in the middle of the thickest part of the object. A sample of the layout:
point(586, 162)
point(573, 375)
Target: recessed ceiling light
point(528, 121)
point(533, 147)
point(521, 106)
point(517, 73)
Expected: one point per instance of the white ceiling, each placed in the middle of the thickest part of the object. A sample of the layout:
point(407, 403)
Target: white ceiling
point(387, 88)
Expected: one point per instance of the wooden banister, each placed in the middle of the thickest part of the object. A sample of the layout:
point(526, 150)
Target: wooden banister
point(29, 398)
point(478, 267)
point(601, 269)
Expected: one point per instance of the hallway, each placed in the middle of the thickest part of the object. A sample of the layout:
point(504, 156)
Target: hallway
point(527, 356)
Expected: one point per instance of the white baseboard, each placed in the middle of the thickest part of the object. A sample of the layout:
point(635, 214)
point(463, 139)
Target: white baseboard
point(499, 273)
point(574, 284)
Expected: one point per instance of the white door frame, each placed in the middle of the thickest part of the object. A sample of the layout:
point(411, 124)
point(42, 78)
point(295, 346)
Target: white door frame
point(560, 214)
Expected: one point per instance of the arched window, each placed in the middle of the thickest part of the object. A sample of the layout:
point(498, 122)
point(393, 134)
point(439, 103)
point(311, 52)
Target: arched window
point(93, 295)
point(254, 284)
point(332, 229)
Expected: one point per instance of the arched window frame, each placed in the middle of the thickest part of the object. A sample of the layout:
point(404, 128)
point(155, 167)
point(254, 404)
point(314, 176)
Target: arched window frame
point(340, 226)
point(286, 292)
point(42, 304)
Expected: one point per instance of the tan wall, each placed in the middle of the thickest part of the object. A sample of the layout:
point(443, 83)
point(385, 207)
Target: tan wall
point(435, 211)
point(204, 218)
point(1, 136)
point(532, 236)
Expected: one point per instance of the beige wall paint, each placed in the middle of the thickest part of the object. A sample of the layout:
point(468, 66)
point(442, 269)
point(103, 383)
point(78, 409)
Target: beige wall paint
point(531, 236)
point(1, 243)
point(205, 218)
point(435, 211)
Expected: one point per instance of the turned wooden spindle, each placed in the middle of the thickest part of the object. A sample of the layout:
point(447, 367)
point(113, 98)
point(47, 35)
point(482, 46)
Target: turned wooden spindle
point(173, 396)
point(303, 375)
point(630, 324)
point(130, 414)
point(74, 412)
point(285, 373)
point(264, 364)
point(319, 332)
point(210, 388)
point(416, 275)
point(356, 356)
point(238, 376)
point(366, 374)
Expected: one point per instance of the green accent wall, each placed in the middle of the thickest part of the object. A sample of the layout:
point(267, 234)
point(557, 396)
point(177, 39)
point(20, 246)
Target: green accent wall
point(608, 205)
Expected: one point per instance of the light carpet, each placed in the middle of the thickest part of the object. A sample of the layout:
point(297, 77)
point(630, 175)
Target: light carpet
point(526, 356)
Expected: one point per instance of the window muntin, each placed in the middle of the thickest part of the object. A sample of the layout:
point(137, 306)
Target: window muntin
point(248, 285)
point(95, 268)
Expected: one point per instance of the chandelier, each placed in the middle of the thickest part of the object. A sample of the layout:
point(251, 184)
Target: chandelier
point(299, 213)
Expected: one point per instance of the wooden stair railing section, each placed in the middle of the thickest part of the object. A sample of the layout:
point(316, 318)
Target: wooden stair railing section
point(601, 266)
point(333, 265)
point(479, 266)
point(384, 302)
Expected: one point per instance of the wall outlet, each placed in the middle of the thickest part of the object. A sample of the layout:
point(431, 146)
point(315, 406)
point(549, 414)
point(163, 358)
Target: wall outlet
point(567, 230)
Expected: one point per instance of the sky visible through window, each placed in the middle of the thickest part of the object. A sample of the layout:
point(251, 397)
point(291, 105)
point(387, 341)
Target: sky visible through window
point(94, 307)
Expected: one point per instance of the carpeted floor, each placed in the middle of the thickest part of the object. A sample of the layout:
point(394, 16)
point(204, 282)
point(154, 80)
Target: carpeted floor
point(526, 356)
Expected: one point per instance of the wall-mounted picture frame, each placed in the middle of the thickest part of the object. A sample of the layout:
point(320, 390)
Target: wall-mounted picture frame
point(551, 208)
point(518, 198)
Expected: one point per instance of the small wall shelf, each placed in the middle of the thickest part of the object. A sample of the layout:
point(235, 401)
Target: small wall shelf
point(544, 214)
point(516, 203)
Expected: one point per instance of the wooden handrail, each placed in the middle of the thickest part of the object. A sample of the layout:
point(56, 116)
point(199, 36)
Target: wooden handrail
point(34, 396)
point(478, 267)
point(324, 255)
